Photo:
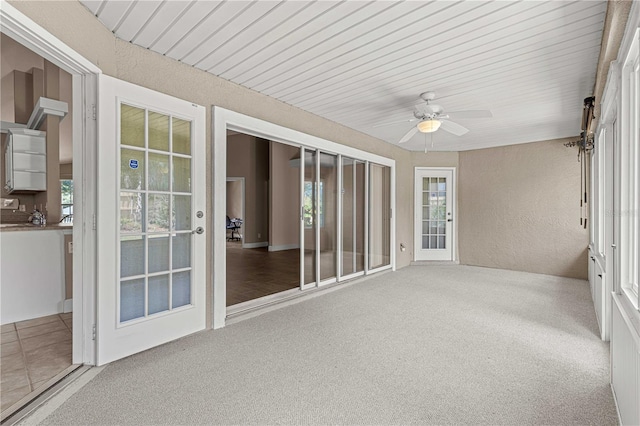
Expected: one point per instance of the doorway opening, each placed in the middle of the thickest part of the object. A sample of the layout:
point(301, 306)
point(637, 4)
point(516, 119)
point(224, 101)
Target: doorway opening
point(36, 225)
point(262, 239)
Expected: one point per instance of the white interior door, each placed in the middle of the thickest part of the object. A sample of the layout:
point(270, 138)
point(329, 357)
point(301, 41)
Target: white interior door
point(151, 201)
point(434, 214)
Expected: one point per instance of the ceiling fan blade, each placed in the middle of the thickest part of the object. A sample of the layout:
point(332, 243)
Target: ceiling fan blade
point(394, 122)
point(454, 128)
point(409, 134)
point(472, 113)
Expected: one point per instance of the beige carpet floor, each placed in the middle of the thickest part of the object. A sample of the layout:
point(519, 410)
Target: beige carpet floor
point(424, 345)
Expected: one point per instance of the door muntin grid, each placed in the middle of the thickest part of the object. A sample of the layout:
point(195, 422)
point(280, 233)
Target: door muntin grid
point(434, 213)
point(155, 213)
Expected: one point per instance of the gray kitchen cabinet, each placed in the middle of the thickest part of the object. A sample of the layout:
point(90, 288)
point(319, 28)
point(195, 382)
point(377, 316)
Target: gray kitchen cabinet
point(25, 161)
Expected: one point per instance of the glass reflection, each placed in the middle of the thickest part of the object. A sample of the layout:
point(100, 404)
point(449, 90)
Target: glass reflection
point(379, 216)
point(309, 216)
point(328, 214)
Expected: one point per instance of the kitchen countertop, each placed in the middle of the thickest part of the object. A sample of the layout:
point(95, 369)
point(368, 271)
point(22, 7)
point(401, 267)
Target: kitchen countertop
point(10, 227)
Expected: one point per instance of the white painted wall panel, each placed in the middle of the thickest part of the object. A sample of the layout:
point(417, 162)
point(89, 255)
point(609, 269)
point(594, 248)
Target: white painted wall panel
point(32, 277)
point(625, 365)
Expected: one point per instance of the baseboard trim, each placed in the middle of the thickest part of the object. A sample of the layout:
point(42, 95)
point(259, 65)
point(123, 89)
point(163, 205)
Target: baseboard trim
point(284, 247)
point(434, 262)
point(255, 245)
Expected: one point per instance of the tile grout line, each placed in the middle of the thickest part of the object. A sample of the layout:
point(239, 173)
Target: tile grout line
point(24, 358)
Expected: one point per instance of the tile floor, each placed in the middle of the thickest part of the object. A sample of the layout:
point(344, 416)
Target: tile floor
point(32, 352)
point(257, 272)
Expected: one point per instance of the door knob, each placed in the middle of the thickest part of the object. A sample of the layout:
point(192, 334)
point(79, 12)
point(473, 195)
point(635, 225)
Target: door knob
point(198, 230)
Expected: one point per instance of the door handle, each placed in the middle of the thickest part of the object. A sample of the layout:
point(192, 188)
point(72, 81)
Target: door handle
point(198, 230)
point(449, 220)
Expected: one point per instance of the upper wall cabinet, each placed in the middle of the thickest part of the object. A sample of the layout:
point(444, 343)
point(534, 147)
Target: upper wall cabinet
point(25, 161)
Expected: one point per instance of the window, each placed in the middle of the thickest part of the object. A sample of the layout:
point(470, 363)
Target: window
point(600, 199)
point(66, 202)
point(629, 174)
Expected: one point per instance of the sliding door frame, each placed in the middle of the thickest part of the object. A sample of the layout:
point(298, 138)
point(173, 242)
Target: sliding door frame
point(223, 120)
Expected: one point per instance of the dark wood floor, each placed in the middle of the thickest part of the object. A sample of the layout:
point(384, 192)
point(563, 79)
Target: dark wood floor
point(254, 273)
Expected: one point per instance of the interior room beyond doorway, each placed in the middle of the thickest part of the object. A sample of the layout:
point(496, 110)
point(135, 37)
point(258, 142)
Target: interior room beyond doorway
point(263, 249)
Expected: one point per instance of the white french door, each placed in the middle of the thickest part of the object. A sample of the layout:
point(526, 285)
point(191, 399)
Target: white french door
point(434, 214)
point(151, 202)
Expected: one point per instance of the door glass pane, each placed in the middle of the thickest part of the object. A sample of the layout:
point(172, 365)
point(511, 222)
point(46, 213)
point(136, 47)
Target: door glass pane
point(379, 215)
point(181, 212)
point(132, 169)
point(434, 210)
point(158, 213)
point(131, 212)
point(181, 289)
point(348, 217)
point(131, 126)
point(181, 174)
point(309, 216)
point(158, 253)
point(181, 136)
point(328, 212)
point(359, 215)
point(131, 256)
point(158, 131)
point(155, 222)
point(158, 294)
point(131, 299)
point(352, 216)
point(181, 251)
point(158, 172)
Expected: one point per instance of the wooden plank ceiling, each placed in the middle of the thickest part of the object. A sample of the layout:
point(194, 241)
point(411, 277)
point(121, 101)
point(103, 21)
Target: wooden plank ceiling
point(364, 63)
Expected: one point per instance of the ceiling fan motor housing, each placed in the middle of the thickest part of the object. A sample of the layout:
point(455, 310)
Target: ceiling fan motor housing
point(427, 111)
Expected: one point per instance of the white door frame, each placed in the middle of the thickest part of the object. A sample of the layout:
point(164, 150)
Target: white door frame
point(417, 216)
point(244, 217)
point(85, 89)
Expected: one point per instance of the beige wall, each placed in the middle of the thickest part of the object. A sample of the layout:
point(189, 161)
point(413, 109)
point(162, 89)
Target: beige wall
point(234, 199)
point(284, 187)
point(15, 57)
point(519, 209)
point(248, 157)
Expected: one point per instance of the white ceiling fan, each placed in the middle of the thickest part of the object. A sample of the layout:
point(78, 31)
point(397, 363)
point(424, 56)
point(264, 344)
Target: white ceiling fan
point(431, 117)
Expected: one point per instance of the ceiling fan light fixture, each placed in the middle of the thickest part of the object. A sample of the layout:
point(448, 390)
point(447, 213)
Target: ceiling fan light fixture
point(429, 126)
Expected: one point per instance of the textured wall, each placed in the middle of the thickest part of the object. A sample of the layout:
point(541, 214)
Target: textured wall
point(519, 209)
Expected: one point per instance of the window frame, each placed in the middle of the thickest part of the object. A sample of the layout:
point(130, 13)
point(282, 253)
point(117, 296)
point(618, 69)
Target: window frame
point(629, 169)
point(64, 205)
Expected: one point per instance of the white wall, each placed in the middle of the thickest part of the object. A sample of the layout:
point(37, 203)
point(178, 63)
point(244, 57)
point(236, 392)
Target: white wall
point(32, 281)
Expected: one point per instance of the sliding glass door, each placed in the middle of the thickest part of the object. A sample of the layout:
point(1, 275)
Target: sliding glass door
point(328, 215)
point(309, 216)
point(353, 215)
point(379, 216)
